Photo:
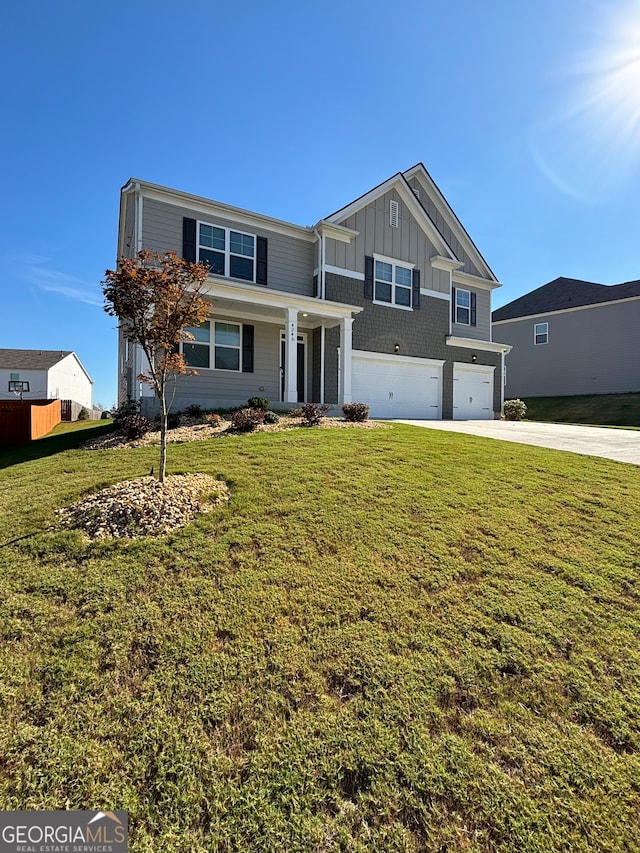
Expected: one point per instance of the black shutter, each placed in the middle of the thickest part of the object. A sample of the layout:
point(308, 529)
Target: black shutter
point(473, 309)
point(189, 239)
point(247, 348)
point(453, 304)
point(368, 277)
point(415, 287)
point(261, 260)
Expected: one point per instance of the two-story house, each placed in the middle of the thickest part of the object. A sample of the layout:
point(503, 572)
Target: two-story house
point(386, 301)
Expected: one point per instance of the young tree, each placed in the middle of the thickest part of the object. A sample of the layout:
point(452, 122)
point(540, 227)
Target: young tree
point(155, 297)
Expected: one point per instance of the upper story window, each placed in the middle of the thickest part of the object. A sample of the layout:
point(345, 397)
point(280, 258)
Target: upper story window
point(392, 284)
point(227, 252)
point(463, 306)
point(541, 333)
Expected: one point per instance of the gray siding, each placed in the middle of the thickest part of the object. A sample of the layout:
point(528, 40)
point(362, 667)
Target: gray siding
point(421, 334)
point(407, 242)
point(290, 261)
point(438, 220)
point(482, 330)
point(593, 350)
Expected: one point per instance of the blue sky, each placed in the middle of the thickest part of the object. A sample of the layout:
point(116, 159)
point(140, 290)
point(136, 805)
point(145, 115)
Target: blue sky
point(526, 115)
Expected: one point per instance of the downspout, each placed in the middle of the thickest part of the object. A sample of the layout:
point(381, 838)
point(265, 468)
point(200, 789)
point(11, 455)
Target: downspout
point(320, 238)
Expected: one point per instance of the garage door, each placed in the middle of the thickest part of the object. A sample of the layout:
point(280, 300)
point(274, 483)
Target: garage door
point(397, 386)
point(472, 392)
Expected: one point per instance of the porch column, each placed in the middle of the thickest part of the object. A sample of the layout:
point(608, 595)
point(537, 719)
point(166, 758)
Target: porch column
point(346, 328)
point(291, 357)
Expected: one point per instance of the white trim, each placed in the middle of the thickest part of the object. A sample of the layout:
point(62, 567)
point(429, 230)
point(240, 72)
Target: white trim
point(393, 263)
point(236, 214)
point(255, 294)
point(322, 356)
point(439, 263)
point(470, 343)
point(435, 294)
point(564, 310)
point(403, 359)
point(487, 369)
point(336, 232)
point(474, 281)
point(345, 272)
point(304, 341)
point(345, 360)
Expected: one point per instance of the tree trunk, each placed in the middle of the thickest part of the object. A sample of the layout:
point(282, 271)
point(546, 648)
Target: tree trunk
point(163, 436)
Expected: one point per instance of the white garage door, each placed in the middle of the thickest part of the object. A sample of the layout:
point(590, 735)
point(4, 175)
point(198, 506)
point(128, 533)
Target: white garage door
point(397, 386)
point(472, 392)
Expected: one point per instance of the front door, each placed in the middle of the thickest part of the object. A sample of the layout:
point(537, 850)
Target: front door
point(302, 359)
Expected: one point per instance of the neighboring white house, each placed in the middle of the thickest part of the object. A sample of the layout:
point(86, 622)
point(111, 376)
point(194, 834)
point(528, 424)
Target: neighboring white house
point(51, 374)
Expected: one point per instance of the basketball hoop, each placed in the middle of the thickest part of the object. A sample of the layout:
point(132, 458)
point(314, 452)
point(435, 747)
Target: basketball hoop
point(18, 387)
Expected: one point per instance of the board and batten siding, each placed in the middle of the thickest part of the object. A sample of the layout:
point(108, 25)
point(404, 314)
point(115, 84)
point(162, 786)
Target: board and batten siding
point(290, 261)
point(439, 221)
point(407, 242)
point(594, 350)
point(482, 330)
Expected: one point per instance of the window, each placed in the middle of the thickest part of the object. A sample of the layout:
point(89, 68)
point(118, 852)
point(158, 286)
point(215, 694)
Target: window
point(392, 284)
point(196, 351)
point(463, 306)
point(226, 252)
point(14, 377)
point(541, 333)
point(227, 346)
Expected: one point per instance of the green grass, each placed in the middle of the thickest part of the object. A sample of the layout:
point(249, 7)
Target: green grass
point(389, 640)
point(603, 409)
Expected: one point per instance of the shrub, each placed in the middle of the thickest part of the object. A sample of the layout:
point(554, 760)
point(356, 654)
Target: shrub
point(194, 410)
point(356, 412)
point(312, 413)
point(258, 403)
point(271, 417)
point(295, 413)
point(247, 420)
point(514, 410)
point(83, 414)
point(134, 426)
point(213, 419)
point(173, 420)
point(131, 407)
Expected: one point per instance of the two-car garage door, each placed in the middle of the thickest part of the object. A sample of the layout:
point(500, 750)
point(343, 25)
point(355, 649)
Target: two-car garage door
point(397, 386)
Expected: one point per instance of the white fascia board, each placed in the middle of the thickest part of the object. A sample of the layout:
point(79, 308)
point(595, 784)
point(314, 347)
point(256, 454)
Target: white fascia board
point(475, 281)
point(474, 368)
point(446, 264)
point(450, 217)
point(342, 271)
point(402, 359)
point(405, 192)
point(217, 208)
point(435, 294)
point(471, 343)
point(335, 232)
point(563, 311)
point(257, 295)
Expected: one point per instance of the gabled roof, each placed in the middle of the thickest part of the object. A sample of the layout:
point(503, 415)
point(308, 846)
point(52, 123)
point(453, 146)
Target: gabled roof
point(563, 293)
point(31, 359)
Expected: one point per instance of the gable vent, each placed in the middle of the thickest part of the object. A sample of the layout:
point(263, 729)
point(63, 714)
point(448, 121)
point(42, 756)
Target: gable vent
point(416, 192)
point(393, 214)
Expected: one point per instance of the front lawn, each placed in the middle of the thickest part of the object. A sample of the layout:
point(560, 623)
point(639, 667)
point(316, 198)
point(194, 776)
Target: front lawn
point(389, 640)
point(602, 409)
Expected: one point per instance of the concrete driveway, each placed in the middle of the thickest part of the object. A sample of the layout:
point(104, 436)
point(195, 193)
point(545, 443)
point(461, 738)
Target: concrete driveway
point(623, 445)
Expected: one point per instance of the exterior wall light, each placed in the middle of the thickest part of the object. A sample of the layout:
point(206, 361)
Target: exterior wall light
point(474, 358)
point(397, 348)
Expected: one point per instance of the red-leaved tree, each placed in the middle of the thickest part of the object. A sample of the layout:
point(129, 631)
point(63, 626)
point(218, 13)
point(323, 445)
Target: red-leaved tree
point(155, 297)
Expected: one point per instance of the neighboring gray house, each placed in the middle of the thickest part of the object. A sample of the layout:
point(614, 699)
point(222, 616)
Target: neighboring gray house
point(386, 301)
point(572, 337)
point(51, 374)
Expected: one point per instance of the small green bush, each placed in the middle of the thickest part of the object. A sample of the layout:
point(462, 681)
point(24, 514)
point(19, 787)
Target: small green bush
point(131, 407)
point(194, 410)
point(514, 410)
point(356, 412)
point(271, 417)
point(312, 413)
point(247, 420)
point(295, 413)
point(134, 426)
point(83, 414)
point(173, 420)
point(258, 403)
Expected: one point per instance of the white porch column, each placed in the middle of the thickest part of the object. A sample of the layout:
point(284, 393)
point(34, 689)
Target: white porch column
point(291, 357)
point(346, 329)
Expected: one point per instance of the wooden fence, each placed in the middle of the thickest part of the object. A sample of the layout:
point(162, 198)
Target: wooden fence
point(25, 421)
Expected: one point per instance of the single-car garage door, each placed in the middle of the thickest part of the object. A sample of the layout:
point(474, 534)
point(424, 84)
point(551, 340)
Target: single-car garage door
point(397, 386)
point(472, 392)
